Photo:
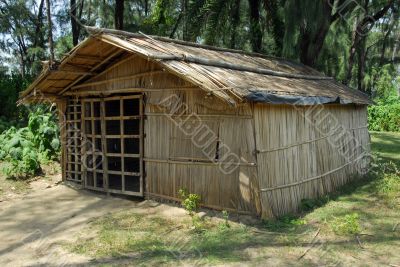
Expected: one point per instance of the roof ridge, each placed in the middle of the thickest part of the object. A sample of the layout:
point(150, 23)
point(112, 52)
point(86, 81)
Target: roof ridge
point(96, 30)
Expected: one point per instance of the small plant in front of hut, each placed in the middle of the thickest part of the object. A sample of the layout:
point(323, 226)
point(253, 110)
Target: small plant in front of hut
point(190, 202)
point(346, 225)
point(225, 224)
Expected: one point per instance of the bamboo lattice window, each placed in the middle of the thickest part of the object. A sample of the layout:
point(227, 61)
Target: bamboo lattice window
point(74, 137)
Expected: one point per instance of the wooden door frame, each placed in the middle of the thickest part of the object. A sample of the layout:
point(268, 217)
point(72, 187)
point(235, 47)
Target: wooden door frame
point(121, 136)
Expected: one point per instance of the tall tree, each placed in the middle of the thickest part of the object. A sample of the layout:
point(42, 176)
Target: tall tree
point(50, 25)
point(119, 14)
point(307, 23)
point(275, 23)
point(39, 24)
point(21, 34)
point(255, 27)
point(75, 17)
point(360, 32)
point(235, 20)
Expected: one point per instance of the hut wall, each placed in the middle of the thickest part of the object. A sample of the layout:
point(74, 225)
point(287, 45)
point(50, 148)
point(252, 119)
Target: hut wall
point(177, 160)
point(305, 152)
point(172, 160)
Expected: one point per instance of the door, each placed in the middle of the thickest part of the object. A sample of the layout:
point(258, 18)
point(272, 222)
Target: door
point(113, 152)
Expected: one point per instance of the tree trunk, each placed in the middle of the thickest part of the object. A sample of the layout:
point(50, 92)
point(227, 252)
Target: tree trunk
point(178, 21)
point(311, 43)
point(75, 28)
point(38, 24)
point(235, 19)
point(361, 65)
point(38, 40)
point(22, 63)
point(119, 15)
point(255, 28)
point(352, 54)
point(146, 7)
point(275, 23)
point(51, 45)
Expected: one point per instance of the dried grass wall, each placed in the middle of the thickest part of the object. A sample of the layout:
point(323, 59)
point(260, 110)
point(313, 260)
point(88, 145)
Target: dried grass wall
point(174, 162)
point(171, 159)
point(305, 152)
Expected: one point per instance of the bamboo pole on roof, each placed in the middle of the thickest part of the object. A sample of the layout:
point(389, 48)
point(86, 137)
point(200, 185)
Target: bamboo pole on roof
point(113, 66)
point(97, 31)
point(113, 54)
point(133, 76)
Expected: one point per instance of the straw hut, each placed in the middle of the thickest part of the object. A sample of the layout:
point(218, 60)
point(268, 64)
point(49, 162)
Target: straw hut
point(147, 116)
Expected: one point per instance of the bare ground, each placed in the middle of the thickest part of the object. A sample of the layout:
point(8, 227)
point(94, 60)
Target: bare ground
point(34, 226)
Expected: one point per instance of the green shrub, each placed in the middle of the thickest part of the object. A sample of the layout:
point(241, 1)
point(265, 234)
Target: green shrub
point(17, 151)
point(45, 132)
point(346, 225)
point(384, 117)
point(190, 202)
point(24, 149)
point(224, 225)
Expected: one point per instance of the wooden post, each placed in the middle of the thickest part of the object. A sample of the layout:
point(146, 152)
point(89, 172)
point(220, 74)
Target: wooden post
point(104, 146)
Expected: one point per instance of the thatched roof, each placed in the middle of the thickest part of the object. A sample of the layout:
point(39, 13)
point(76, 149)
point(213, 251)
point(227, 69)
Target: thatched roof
point(231, 75)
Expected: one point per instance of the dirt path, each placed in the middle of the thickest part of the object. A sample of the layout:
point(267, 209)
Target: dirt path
point(34, 227)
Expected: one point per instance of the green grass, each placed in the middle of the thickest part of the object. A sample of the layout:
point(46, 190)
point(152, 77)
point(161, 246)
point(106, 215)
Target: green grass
point(157, 240)
point(357, 225)
point(386, 145)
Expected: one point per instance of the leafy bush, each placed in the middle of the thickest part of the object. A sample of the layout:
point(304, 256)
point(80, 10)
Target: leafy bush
point(190, 202)
point(224, 225)
point(346, 225)
point(24, 149)
point(384, 117)
point(45, 132)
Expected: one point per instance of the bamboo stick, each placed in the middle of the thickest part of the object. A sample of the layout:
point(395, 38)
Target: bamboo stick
point(196, 162)
point(92, 71)
point(227, 65)
point(122, 90)
point(133, 76)
point(308, 141)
